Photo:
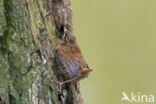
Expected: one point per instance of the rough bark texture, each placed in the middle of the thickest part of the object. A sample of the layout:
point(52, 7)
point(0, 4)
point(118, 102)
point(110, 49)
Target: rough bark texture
point(26, 53)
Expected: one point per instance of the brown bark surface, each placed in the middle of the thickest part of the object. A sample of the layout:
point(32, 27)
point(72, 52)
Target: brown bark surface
point(27, 40)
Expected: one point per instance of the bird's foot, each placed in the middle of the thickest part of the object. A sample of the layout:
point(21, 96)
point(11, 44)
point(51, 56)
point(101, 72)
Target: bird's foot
point(62, 83)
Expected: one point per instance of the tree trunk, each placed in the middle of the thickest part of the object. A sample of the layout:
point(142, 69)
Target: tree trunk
point(26, 53)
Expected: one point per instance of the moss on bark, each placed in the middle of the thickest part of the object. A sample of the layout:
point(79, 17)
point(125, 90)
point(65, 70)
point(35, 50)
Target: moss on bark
point(26, 52)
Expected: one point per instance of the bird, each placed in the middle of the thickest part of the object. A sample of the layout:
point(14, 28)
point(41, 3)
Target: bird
point(62, 17)
point(70, 61)
point(68, 56)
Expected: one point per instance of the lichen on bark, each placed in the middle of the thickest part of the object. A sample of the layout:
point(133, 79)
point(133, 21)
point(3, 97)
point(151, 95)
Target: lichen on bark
point(26, 53)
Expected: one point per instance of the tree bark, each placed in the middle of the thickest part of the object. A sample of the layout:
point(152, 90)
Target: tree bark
point(26, 56)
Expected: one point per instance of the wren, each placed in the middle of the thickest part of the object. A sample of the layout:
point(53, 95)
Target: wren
point(69, 60)
point(68, 56)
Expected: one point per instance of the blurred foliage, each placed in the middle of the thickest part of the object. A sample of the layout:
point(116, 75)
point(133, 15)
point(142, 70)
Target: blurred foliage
point(118, 40)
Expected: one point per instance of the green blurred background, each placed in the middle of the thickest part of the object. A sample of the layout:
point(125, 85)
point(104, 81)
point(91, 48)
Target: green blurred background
point(118, 40)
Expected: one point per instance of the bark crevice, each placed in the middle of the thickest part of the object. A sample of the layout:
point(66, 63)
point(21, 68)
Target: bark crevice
point(27, 39)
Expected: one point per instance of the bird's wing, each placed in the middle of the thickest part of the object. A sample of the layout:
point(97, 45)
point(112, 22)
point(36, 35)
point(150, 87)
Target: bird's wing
point(69, 68)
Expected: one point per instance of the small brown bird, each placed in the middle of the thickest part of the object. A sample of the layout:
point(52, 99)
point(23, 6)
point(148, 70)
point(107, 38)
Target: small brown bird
point(70, 61)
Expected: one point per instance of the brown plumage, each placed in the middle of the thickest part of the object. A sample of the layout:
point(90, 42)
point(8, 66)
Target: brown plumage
point(69, 59)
